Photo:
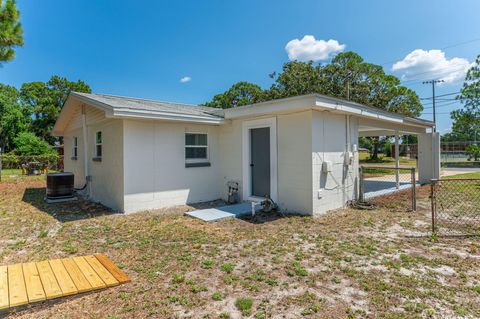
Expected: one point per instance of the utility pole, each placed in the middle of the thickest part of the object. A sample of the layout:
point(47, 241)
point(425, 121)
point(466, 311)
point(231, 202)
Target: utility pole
point(433, 82)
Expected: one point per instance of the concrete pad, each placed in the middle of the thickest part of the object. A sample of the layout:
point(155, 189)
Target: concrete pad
point(220, 213)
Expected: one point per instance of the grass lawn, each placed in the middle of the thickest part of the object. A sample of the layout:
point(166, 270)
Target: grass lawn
point(466, 175)
point(15, 175)
point(346, 264)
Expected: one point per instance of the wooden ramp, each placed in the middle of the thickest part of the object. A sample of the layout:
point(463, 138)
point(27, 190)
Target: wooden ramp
point(21, 284)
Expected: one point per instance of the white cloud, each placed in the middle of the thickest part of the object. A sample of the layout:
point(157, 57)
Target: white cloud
point(432, 64)
point(310, 49)
point(185, 79)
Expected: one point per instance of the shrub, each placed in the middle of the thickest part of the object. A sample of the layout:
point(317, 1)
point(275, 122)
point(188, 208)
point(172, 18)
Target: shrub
point(473, 152)
point(28, 144)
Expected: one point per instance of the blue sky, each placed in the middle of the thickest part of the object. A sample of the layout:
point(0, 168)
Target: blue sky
point(144, 48)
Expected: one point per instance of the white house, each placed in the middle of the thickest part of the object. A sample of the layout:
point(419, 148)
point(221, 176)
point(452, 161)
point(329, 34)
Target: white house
point(137, 154)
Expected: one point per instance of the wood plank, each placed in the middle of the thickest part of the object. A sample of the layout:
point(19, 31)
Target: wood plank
point(114, 270)
point(50, 284)
point(33, 283)
point(63, 278)
point(101, 271)
point(95, 281)
point(4, 288)
point(17, 292)
point(76, 274)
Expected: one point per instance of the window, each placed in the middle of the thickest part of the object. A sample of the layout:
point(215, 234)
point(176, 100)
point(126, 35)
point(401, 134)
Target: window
point(74, 148)
point(196, 149)
point(98, 146)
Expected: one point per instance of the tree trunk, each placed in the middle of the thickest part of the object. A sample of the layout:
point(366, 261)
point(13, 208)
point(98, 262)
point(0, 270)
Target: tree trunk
point(376, 144)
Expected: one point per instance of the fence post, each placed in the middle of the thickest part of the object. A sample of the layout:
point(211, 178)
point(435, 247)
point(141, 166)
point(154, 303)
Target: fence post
point(361, 186)
point(432, 198)
point(414, 190)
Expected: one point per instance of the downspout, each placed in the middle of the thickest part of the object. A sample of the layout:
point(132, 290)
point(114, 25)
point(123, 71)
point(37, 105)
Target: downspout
point(85, 149)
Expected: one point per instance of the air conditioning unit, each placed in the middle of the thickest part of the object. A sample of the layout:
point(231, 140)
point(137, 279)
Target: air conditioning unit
point(60, 187)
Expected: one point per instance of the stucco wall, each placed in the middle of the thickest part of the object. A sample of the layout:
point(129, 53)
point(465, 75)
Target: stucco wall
point(106, 185)
point(155, 175)
point(295, 162)
point(329, 138)
point(293, 159)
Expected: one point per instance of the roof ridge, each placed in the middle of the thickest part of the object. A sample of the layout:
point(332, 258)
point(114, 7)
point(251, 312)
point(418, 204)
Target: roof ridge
point(147, 100)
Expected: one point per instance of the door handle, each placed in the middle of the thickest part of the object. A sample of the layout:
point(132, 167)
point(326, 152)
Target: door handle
point(251, 165)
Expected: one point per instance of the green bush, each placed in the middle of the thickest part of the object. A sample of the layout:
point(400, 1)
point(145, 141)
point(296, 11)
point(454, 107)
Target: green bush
point(28, 144)
point(473, 152)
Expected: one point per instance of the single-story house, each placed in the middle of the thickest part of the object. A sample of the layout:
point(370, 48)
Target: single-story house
point(136, 154)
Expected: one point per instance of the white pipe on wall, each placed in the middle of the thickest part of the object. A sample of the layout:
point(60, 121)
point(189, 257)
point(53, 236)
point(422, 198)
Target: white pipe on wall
point(85, 147)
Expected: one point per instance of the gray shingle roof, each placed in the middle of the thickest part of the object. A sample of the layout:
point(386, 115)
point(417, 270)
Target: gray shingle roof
point(129, 103)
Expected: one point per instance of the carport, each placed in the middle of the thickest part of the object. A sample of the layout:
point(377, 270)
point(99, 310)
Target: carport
point(428, 151)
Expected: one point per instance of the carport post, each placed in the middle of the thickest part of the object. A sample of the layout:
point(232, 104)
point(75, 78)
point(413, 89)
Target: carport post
point(397, 160)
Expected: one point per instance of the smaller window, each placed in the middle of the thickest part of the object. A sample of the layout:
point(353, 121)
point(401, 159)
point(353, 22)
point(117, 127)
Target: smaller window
point(196, 147)
point(98, 145)
point(75, 148)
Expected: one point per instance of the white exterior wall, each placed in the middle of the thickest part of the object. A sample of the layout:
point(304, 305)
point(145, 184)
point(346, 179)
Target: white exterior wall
point(293, 159)
point(155, 175)
point(295, 162)
point(106, 185)
point(329, 142)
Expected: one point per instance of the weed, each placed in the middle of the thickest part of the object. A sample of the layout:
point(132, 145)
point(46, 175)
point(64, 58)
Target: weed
point(207, 263)
point(224, 315)
point(43, 233)
point(217, 296)
point(227, 267)
point(244, 305)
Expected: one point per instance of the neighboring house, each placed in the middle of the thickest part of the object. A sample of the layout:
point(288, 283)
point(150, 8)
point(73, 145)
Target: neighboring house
point(302, 151)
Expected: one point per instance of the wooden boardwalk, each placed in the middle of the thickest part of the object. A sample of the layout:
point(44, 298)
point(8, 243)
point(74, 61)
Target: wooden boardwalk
point(21, 284)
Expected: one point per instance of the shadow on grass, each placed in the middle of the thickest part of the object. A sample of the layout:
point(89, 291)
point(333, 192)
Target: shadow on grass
point(66, 211)
point(262, 217)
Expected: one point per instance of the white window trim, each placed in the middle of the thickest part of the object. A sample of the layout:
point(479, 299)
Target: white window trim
point(247, 173)
point(75, 147)
point(96, 144)
point(196, 160)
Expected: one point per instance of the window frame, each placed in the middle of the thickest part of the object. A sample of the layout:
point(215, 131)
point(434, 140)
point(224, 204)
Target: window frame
point(96, 144)
point(194, 161)
point(74, 148)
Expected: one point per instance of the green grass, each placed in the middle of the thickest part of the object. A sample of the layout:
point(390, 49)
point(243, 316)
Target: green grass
point(466, 175)
point(15, 175)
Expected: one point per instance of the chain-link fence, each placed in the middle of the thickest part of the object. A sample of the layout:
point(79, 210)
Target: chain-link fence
point(456, 206)
point(387, 186)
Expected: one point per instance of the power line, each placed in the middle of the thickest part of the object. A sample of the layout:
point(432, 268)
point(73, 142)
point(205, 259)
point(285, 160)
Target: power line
point(447, 94)
point(441, 105)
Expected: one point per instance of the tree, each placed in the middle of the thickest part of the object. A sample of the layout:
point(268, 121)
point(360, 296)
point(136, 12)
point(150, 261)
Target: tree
point(11, 33)
point(12, 120)
point(473, 152)
point(27, 144)
point(347, 76)
point(44, 101)
point(466, 122)
point(241, 93)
